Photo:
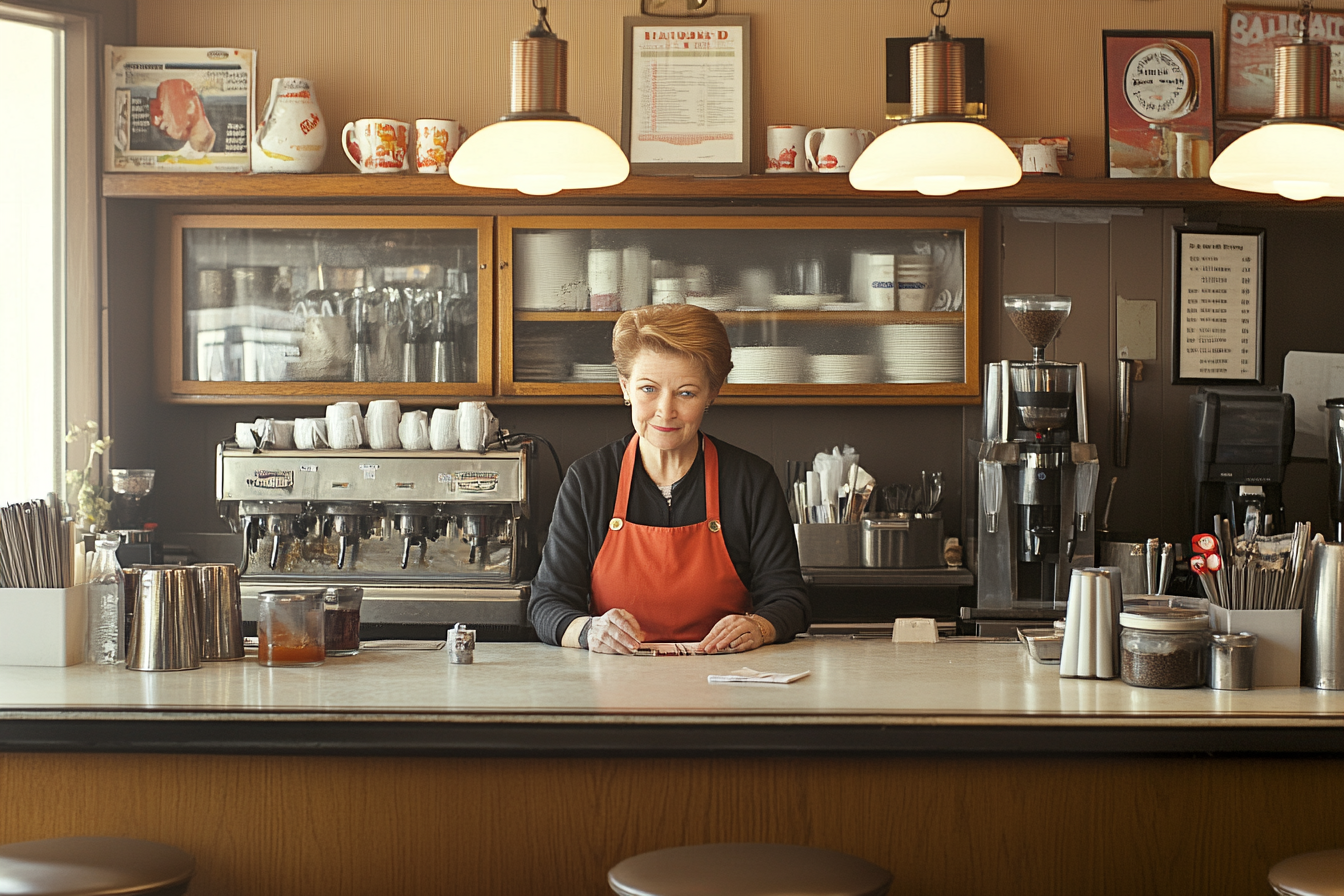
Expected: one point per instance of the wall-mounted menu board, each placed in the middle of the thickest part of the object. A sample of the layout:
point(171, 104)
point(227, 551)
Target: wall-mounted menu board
point(1218, 291)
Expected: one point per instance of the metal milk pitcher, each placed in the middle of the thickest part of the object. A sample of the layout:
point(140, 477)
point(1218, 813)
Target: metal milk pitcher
point(1323, 620)
point(292, 135)
point(165, 631)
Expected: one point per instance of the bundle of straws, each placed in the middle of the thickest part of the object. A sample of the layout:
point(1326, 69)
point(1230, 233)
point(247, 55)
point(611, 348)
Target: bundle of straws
point(1257, 573)
point(37, 546)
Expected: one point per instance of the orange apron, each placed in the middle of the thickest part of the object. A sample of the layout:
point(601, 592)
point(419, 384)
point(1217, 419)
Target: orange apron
point(677, 581)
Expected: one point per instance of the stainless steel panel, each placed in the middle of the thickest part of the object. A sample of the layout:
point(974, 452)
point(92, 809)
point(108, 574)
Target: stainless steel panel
point(418, 606)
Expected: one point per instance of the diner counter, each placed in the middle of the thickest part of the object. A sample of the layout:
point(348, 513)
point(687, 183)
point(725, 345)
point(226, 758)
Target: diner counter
point(532, 699)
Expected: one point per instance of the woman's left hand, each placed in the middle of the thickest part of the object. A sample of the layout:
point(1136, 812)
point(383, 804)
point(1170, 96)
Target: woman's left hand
point(736, 634)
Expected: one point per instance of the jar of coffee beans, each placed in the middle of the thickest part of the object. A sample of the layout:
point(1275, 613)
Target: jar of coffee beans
point(1164, 647)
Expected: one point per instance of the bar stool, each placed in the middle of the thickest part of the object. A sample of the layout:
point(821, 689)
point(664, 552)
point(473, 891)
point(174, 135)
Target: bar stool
point(94, 866)
point(1310, 874)
point(747, 869)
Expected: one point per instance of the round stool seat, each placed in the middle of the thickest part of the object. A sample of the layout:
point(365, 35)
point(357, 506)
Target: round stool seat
point(747, 869)
point(1310, 874)
point(94, 866)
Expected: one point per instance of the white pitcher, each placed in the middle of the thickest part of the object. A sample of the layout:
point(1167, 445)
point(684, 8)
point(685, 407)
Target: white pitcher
point(292, 136)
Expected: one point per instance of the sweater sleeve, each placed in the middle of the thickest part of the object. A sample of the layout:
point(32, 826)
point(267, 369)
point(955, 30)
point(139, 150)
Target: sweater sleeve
point(561, 586)
point(777, 589)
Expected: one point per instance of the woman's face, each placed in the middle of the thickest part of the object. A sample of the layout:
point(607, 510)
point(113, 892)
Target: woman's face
point(668, 395)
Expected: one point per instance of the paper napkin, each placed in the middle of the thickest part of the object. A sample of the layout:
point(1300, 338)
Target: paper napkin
point(753, 677)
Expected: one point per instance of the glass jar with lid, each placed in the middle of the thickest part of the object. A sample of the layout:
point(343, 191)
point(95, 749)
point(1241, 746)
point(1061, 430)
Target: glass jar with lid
point(1164, 647)
point(290, 628)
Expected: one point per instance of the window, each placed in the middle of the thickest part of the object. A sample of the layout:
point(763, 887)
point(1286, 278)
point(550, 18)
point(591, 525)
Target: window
point(48, 307)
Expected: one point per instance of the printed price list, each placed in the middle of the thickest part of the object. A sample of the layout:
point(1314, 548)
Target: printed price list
point(1218, 328)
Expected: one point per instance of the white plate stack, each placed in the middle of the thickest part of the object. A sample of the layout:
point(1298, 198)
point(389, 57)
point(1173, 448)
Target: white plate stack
point(768, 364)
point(549, 271)
point(713, 303)
point(922, 353)
point(842, 368)
point(595, 373)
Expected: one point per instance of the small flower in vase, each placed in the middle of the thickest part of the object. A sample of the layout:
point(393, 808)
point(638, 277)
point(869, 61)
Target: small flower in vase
point(86, 497)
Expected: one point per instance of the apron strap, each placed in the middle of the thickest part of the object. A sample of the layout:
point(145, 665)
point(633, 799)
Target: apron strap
point(619, 512)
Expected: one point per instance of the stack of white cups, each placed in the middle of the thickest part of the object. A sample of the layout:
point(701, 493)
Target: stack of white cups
point(1092, 626)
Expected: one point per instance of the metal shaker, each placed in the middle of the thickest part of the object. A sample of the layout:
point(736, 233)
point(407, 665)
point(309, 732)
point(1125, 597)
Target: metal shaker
point(461, 644)
point(221, 611)
point(165, 632)
point(1232, 661)
point(1323, 620)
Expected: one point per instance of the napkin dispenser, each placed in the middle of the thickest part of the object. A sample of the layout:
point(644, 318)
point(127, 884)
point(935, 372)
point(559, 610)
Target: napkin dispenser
point(902, 540)
point(828, 544)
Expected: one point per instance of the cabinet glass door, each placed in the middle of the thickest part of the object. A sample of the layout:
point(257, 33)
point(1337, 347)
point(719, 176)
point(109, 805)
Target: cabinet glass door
point(305, 305)
point(878, 307)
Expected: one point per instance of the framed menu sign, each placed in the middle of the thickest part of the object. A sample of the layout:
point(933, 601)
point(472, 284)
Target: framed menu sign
point(1218, 291)
point(687, 95)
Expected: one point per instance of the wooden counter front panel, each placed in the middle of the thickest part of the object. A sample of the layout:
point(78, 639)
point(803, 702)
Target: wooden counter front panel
point(301, 826)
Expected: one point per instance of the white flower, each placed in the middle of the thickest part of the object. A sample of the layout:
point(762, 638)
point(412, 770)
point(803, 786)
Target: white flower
point(91, 425)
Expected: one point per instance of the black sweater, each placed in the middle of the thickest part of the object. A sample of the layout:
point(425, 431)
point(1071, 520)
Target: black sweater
point(756, 528)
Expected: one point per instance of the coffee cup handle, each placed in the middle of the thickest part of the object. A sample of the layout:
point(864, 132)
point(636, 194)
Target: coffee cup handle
point(409, 155)
point(866, 137)
point(807, 146)
point(346, 133)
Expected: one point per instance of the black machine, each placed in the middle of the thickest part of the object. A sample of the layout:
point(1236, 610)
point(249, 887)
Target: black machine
point(1242, 438)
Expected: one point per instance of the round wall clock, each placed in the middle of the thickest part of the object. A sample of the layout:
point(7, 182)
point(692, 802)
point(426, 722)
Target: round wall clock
point(1161, 81)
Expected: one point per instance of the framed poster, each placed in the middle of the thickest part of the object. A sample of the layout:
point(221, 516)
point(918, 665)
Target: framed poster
point(1251, 33)
point(1160, 97)
point(1218, 296)
point(686, 101)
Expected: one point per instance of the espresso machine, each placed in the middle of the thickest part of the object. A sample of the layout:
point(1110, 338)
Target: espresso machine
point(1242, 438)
point(433, 537)
point(1037, 474)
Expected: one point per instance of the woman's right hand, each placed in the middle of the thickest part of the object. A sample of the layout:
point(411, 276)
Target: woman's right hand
point(615, 631)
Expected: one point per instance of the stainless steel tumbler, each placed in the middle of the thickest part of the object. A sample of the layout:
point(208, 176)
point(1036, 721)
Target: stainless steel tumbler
point(1232, 661)
point(221, 611)
point(165, 633)
point(1323, 620)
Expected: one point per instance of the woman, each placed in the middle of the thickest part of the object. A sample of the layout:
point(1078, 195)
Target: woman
point(668, 534)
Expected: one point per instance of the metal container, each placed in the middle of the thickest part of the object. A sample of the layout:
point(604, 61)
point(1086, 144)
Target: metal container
point(1044, 645)
point(1232, 661)
point(1323, 620)
point(165, 631)
point(828, 544)
point(902, 540)
point(221, 611)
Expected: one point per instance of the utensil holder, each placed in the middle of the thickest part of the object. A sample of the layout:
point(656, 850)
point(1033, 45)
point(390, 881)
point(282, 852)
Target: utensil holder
point(902, 540)
point(828, 544)
point(1278, 652)
point(43, 626)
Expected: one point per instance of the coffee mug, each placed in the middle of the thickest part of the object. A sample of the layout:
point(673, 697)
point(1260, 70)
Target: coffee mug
point(882, 283)
point(376, 145)
point(783, 148)
point(835, 150)
point(345, 425)
point(436, 142)
point(1039, 159)
point(310, 433)
point(476, 426)
point(604, 279)
point(382, 422)
point(414, 431)
point(443, 429)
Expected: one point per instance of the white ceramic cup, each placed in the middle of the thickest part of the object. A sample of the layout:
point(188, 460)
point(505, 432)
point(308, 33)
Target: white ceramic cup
point(1040, 159)
point(282, 432)
point(382, 421)
point(344, 425)
point(882, 283)
point(669, 291)
point(443, 429)
point(858, 276)
point(634, 277)
point(310, 433)
point(244, 434)
point(604, 279)
point(376, 145)
point(436, 142)
point(414, 431)
point(475, 425)
point(784, 148)
point(835, 150)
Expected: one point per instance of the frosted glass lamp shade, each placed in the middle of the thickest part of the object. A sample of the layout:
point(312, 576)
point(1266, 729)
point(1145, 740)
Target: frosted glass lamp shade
point(1299, 160)
point(937, 158)
point(539, 156)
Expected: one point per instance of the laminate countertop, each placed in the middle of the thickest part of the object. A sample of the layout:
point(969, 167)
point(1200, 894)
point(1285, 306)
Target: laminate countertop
point(862, 696)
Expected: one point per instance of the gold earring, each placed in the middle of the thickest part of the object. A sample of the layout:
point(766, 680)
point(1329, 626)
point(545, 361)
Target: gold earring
point(627, 402)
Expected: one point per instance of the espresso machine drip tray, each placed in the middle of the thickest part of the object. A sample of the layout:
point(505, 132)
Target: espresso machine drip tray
point(387, 603)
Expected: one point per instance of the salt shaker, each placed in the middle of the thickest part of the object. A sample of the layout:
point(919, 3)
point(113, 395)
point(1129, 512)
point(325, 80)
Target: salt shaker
point(461, 644)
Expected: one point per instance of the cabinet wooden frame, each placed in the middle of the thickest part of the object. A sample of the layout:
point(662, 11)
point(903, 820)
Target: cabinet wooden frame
point(966, 392)
point(169, 312)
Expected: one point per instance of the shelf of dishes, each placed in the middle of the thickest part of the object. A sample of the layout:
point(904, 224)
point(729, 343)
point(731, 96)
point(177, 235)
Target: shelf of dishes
point(391, 303)
point(859, 305)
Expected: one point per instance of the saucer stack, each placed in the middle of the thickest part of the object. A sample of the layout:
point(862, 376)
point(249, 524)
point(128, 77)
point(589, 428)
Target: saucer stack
point(549, 271)
point(842, 368)
point(768, 364)
point(594, 373)
point(922, 353)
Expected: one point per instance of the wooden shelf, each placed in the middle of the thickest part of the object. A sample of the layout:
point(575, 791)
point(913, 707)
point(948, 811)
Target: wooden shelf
point(763, 190)
point(839, 318)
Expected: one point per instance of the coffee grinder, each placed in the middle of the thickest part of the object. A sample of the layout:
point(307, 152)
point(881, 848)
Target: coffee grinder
point(1037, 475)
point(1243, 439)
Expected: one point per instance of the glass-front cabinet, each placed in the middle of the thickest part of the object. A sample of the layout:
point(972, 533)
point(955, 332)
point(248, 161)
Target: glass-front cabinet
point(305, 307)
point(865, 308)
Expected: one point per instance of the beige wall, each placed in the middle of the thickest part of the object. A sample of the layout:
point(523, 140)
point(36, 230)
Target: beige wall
point(817, 62)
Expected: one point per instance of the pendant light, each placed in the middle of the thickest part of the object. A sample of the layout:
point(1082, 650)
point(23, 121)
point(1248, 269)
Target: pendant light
point(937, 151)
point(539, 148)
point(1299, 153)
